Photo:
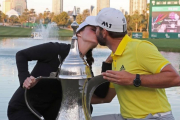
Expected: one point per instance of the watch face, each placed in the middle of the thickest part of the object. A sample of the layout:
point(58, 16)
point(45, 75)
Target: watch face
point(137, 82)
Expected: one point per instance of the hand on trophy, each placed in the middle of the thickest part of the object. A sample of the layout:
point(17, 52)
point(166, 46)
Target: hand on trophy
point(30, 82)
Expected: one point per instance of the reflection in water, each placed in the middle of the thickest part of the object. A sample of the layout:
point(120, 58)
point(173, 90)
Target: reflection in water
point(9, 78)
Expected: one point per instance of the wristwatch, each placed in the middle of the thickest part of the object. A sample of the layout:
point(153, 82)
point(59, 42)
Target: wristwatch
point(137, 81)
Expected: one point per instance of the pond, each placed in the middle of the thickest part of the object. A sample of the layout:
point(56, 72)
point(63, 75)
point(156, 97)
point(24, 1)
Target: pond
point(9, 79)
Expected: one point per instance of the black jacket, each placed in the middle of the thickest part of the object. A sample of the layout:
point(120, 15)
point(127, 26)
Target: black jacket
point(46, 91)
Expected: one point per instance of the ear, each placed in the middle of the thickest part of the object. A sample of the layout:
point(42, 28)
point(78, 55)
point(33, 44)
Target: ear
point(104, 33)
point(78, 35)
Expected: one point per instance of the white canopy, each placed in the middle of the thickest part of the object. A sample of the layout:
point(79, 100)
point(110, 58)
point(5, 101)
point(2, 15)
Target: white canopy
point(12, 12)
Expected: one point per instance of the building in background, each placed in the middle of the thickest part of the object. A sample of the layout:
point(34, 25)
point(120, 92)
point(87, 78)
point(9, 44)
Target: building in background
point(139, 5)
point(165, 2)
point(70, 13)
point(17, 5)
point(78, 10)
point(57, 6)
point(6, 6)
point(93, 11)
point(102, 4)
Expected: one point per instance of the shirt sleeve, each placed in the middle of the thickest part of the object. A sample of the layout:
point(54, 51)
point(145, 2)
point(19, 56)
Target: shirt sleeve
point(41, 53)
point(150, 58)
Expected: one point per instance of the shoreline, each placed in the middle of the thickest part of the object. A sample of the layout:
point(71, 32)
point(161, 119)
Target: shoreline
point(167, 45)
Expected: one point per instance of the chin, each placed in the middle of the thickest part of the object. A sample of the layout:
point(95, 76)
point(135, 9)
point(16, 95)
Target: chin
point(95, 45)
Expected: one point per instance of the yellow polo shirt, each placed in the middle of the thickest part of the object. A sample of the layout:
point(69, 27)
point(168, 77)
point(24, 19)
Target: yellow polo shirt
point(139, 57)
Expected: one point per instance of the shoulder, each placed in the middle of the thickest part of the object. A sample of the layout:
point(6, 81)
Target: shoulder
point(146, 46)
point(55, 46)
point(63, 45)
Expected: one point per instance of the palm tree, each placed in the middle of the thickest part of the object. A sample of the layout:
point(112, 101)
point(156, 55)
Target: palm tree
point(130, 24)
point(51, 16)
point(143, 22)
point(39, 17)
point(32, 14)
point(26, 15)
point(85, 14)
point(136, 19)
point(147, 15)
point(22, 19)
point(3, 17)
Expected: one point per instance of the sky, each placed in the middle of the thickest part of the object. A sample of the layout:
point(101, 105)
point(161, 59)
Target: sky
point(41, 5)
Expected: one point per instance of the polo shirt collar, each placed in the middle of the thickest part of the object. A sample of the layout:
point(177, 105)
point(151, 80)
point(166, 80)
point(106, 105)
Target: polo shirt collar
point(122, 45)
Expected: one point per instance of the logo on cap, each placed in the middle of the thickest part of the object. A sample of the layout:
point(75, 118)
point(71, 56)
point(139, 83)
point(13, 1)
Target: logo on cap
point(106, 24)
point(124, 20)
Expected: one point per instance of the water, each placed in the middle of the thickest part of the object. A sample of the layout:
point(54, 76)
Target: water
point(45, 32)
point(9, 78)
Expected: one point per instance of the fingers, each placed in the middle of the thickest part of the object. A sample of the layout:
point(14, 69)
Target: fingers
point(29, 82)
point(112, 76)
point(112, 72)
point(109, 75)
point(110, 79)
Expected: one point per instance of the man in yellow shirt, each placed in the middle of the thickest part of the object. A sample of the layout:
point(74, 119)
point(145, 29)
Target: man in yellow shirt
point(139, 72)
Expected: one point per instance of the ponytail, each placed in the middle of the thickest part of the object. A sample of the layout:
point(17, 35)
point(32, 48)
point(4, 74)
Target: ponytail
point(89, 58)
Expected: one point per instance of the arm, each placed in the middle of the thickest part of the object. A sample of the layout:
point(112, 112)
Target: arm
point(109, 97)
point(168, 77)
point(161, 72)
point(42, 53)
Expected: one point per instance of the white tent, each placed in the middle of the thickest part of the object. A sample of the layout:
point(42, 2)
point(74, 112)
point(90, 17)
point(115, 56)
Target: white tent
point(12, 12)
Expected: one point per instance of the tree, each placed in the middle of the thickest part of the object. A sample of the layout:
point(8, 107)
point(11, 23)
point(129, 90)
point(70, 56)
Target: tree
point(130, 24)
point(22, 19)
point(13, 19)
point(46, 18)
point(143, 22)
point(61, 19)
point(85, 14)
point(32, 15)
point(136, 19)
point(69, 23)
point(79, 19)
point(51, 16)
point(147, 15)
point(64, 18)
point(3, 17)
point(39, 18)
point(26, 15)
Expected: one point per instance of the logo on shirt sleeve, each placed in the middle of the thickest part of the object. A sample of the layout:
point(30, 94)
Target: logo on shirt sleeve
point(122, 68)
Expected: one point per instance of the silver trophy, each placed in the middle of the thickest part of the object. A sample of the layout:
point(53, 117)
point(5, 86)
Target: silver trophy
point(77, 83)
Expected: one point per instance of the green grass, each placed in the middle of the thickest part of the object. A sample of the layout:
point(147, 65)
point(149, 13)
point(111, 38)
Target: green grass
point(169, 45)
point(26, 32)
point(65, 33)
point(15, 32)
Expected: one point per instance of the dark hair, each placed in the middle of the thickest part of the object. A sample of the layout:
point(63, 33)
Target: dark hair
point(89, 58)
point(116, 34)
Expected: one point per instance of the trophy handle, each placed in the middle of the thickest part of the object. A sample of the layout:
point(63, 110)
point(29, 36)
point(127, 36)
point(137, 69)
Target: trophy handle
point(90, 87)
point(35, 112)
